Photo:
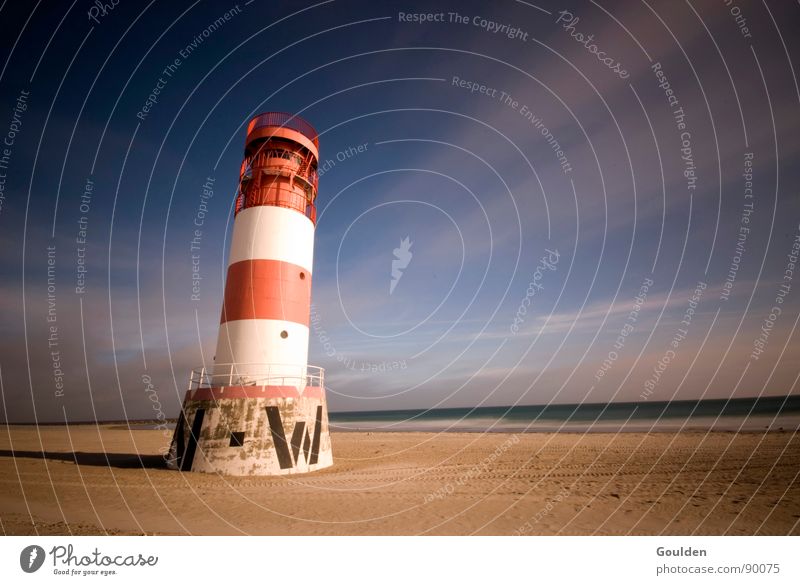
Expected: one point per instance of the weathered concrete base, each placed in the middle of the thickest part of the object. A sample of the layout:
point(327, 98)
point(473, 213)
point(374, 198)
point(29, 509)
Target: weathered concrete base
point(252, 431)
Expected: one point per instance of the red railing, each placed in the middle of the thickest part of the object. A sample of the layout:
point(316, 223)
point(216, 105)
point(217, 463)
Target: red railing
point(284, 120)
point(269, 196)
point(304, 168)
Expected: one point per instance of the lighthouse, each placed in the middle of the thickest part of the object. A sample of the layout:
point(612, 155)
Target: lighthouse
point(261, 409)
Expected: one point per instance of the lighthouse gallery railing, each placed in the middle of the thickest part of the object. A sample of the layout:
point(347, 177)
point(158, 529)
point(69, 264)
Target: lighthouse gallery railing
point(221, 375)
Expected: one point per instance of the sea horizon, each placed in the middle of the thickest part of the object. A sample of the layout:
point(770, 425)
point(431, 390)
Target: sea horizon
point(748, 414)
point(751, 414)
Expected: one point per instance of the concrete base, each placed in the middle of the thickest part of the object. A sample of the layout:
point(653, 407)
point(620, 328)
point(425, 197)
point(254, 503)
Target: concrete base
point(265, 430)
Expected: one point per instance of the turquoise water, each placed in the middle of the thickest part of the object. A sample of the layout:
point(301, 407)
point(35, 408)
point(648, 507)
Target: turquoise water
point(741, 414)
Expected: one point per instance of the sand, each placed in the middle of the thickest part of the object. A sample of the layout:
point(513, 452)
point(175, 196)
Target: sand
point(59, 480)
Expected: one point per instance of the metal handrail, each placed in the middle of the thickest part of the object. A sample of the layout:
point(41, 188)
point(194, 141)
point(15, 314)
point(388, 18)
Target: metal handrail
point(260, 161)
point(284, 120)
point(257, 374)
point(304, 172)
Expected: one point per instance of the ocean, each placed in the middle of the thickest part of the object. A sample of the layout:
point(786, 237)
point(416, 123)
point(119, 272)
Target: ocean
point(740, 414)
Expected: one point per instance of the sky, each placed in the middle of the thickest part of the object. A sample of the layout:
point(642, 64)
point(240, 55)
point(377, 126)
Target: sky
point(600, 199)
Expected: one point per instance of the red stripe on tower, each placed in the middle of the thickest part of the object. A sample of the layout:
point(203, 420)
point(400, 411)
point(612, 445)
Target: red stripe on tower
point(267, 289)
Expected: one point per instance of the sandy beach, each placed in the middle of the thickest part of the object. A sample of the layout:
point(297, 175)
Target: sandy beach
point(85, 479)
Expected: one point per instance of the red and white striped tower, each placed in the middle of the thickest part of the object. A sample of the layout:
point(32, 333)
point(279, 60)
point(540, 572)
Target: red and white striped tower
point(262, 410)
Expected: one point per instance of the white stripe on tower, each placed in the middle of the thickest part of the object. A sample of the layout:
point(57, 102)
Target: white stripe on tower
point(255, 341)
point(273, 233)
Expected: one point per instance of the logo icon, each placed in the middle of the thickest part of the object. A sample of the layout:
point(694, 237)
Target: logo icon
point(31, 558)
point(402, 257)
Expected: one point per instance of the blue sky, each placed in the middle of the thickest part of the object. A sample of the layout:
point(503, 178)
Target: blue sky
point(472, 181)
